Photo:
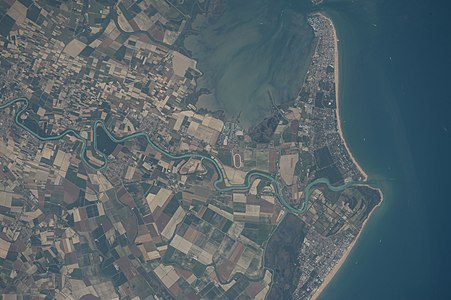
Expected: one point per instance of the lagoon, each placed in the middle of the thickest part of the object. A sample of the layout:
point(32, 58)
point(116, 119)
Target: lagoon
point(248, 52)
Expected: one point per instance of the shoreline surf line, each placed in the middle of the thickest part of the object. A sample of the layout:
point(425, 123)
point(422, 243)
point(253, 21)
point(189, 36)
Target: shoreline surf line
point(340, 262)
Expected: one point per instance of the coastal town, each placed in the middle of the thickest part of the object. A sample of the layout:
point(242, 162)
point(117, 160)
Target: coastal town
point(113, 185)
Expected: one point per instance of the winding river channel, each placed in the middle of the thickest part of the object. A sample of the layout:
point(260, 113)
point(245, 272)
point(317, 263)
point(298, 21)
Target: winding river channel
point(220, 181)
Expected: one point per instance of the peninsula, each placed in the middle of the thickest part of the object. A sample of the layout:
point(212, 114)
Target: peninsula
point(326, 60)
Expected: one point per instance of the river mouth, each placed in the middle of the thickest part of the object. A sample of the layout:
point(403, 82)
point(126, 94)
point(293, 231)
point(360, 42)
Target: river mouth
point(254, 48)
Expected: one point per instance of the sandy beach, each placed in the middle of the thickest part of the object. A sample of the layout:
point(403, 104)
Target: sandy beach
point(343, 258)
point(337, 92)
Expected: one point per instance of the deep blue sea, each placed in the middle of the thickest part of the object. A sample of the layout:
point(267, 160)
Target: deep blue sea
point(395, 97)
point(395, 60)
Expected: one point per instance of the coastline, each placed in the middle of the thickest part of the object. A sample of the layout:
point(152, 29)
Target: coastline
point(345, 255)
point(337, 93)
point(348, 250)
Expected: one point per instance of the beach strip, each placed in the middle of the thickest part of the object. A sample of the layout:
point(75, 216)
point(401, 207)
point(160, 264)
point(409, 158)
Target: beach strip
point(337, 96)
point(348, 250)
point(343, 258)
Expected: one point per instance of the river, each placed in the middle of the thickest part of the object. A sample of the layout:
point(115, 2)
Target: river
point(104, 143)
point(394, 78)
point(395, 67)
